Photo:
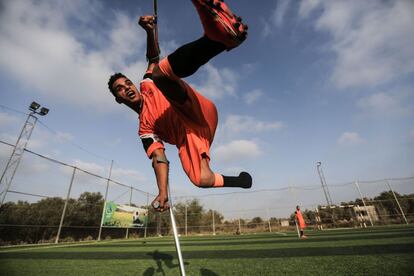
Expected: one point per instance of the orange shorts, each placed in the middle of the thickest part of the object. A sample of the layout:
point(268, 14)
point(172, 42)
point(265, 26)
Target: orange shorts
point(199, 115)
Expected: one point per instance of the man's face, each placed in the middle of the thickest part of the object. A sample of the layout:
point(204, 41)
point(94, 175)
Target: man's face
point(126, 91)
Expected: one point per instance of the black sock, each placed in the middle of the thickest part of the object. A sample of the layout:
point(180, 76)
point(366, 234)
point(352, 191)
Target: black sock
point(301, 233)
point(244, 180)
point(186, 60)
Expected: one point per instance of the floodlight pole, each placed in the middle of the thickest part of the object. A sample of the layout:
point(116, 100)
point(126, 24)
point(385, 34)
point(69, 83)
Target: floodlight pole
point(323, 182)
point(20, 146)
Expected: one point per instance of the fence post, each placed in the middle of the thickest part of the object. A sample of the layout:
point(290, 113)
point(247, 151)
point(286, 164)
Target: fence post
point(214, 226)
point(130, 201)
point(65, 206)
point(396, 200)
point(361, 218)
point(146, 225)
point(268, 220)
point(363, 201)
point(186, 219)
point(106, 195)
point(318, 219)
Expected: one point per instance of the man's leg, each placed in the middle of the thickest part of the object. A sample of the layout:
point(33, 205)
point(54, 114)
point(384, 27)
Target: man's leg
point(223, 31)
point(209, 179)
point(184, 62)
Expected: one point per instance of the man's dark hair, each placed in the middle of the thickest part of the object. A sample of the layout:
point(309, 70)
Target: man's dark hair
point(113, 79)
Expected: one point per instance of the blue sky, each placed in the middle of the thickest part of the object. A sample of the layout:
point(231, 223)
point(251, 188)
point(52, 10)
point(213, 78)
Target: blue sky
point(328, 81)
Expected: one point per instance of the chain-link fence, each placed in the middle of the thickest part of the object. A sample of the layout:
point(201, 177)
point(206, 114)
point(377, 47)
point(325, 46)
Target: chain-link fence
point(51, 201)
point(355, 204)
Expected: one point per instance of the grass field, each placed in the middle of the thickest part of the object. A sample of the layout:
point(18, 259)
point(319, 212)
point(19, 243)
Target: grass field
point(374, 251)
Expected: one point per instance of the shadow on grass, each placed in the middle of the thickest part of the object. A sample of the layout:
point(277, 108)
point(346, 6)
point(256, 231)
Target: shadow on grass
point(162, 260)
point(207, 272)
point(167, 259)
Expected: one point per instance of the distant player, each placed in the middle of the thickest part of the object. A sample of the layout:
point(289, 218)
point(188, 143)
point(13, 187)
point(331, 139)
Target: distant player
point(300, 221)
point(172, 111)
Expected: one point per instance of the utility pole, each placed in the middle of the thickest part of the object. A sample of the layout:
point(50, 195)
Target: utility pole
point(16, 156)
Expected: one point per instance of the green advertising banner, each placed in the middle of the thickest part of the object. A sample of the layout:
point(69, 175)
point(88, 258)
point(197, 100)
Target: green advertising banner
point(118, 215)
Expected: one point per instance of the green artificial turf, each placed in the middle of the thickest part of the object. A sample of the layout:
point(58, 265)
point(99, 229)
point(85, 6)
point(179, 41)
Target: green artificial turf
point(372, 251)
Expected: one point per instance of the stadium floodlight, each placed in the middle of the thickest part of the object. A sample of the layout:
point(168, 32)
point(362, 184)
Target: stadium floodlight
point(14, 160)
point(43, 111)
point(34, 106)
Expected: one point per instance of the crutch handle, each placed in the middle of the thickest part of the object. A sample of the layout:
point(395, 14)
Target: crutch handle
point(156, 204)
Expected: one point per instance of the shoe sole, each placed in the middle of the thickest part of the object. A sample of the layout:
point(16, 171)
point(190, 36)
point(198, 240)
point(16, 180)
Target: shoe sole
point(231, 23)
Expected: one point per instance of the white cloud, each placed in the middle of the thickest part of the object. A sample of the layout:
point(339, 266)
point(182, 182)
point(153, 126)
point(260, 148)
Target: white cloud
point(32, 168)
point(237, 150)
point(125, 176)
point(235, 124)
point(7, 119)
point(371, 39)
point(5, 152)
point(276, 18)
point(383, 103)
point(279, 12)
point(89, 167)
point(45, 139)
point(252, 96)
point(350, 139)
point(128, 175)
point(306, 7)
point(43, 50)
point(217, 83)
point(63, 136)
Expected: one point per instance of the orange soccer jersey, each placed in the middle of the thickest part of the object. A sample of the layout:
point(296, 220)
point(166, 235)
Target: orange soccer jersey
point(190, 126)
point(300, 219)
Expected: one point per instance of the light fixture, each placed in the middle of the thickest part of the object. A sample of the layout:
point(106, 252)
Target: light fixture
point(34, 106)
point(43, 111)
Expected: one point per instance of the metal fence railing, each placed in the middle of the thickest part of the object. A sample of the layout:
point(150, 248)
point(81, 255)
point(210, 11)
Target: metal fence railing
point(52, 201)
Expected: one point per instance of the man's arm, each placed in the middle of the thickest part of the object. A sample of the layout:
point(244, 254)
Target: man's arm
point(160, 165)
point(147, 22)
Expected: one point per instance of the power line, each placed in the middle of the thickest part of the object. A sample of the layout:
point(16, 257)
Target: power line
point(72, 143)
point(14, 110)
point(56, 133)
point(79, 169)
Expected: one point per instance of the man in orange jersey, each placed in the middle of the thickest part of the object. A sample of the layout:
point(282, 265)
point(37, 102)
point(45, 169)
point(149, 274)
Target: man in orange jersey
point(300, 221)
point(172, 111)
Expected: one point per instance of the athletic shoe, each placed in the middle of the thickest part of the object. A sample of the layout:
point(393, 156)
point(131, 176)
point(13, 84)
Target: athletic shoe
point(245, 180)
point(220, 23)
